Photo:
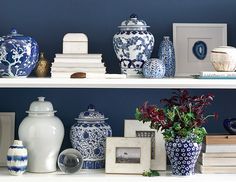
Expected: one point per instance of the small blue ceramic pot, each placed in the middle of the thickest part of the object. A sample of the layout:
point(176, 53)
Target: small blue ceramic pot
point(183, 154)
point(154, 68)
point(18, 55)
point(17, 158)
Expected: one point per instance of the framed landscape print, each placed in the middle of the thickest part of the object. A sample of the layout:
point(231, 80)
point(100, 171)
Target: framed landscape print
point(7, 132)
point(193, 43)
point(127, 155)
point(135, 128)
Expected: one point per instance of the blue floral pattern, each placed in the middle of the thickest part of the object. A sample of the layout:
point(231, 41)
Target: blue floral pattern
point(18, 55)
point(90, 139)
point(133, 48)
point(183, 154)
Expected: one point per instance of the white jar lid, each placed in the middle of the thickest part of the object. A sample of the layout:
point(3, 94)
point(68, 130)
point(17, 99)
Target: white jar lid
point(41, 106)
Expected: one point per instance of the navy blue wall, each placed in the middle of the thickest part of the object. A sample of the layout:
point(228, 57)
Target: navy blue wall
point(48, 20)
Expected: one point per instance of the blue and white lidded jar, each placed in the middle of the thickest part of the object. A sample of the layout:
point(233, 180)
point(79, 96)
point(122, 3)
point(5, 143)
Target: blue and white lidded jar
point(133, 45)
point(167, 55)
point(88, 136)
point(17, 158)
point(154, 68)
point(18, 55)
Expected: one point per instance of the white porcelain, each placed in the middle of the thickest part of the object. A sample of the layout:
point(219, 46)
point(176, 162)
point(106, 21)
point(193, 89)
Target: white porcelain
point(224, 58)
point(42, 134)
point(76, 43)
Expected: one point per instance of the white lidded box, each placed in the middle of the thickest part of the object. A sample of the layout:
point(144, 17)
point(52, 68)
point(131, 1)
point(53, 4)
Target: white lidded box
point(75, 43)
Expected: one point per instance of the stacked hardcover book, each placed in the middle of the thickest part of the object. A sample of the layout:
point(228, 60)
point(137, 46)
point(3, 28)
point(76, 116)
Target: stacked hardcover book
point(66, 64)
point(216, 75)
point(218, 154)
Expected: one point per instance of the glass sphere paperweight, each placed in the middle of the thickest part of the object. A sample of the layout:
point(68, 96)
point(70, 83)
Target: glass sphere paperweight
point(70, 161)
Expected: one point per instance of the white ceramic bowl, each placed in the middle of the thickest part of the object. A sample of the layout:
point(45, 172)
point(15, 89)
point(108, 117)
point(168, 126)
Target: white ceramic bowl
point(224, 58)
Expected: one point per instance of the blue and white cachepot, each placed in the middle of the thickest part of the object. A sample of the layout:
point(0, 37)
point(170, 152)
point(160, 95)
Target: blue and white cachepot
point(88, 136)
point(183, 154)
point(18, 55)
point(133, 45)
point(17, 158)
point(154, 68)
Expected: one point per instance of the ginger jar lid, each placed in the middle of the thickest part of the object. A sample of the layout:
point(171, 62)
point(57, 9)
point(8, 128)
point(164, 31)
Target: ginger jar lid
point(91, 115)
point(133, 23)
point(41, 106)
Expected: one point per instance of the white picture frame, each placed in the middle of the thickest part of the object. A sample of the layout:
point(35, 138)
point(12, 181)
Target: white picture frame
point(7, 134)
point(127, 155)
point(186, 39)
point(158, 152)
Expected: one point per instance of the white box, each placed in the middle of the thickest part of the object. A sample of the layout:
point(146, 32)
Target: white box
point(75, 43)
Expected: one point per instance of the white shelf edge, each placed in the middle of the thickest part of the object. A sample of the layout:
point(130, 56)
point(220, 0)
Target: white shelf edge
point(118, 83)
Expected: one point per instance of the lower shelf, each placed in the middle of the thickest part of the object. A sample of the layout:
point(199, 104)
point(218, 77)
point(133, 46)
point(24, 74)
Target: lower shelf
point(100, 176)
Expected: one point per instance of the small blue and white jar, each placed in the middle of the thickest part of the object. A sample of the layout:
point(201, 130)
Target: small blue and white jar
point(17, 158)
point(133, 45)
point(89, 135)
point(154, 68)
point(167, 55)
point(18, 55)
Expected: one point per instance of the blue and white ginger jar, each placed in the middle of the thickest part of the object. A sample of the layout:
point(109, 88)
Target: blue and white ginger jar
point(183, 155)
point(133, 45)
point(18, 55)
point(88, 136)
point(167, 54)
point(17, 158)
point(154, 68)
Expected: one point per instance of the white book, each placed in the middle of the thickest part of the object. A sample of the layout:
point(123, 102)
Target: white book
point(77, 60)
point(81, 56)
point(78, 69)
point(215, 74)
point(217, 159)
point(216, 148)
point(68, 74)
point(215, 169)
point(79, 64)
point(94, 76)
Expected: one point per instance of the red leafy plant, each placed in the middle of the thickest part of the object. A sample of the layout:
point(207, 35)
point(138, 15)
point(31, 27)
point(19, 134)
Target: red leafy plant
point(182, 115)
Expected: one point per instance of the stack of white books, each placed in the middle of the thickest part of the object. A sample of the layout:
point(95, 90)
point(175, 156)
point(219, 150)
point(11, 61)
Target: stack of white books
point(218, 154)
point(66, 64)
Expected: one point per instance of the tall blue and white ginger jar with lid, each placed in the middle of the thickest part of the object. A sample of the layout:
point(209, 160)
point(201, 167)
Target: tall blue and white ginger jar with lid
point(18, 55)
point(88, 136)
point(17, 158)
point(133, 45)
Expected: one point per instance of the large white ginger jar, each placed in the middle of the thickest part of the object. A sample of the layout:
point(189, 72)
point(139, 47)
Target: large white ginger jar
point(42, 133)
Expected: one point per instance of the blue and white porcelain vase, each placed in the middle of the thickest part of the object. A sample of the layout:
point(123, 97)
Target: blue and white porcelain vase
point(154, 68)
point(133, 45)
point(88, 136)
point(17, 158)
point(167, 54)
point(183, 155)
point(18, 55)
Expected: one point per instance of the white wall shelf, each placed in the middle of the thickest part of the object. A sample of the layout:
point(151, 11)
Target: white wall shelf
point(118, 83)
point(100, 176)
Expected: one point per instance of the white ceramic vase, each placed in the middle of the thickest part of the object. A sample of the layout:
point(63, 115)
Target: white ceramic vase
point(42, 134)
point(17, 158)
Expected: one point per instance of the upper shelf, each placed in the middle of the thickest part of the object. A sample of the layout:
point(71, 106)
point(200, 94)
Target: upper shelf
point(117, 83)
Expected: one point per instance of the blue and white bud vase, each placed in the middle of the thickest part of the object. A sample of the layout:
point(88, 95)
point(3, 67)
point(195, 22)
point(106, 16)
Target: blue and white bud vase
point(167, 54)
point(17, 158)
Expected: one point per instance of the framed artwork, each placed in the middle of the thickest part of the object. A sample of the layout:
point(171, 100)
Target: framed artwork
point(193, 43)
point(7, 132)
point(134, 128)
point(127, 155)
